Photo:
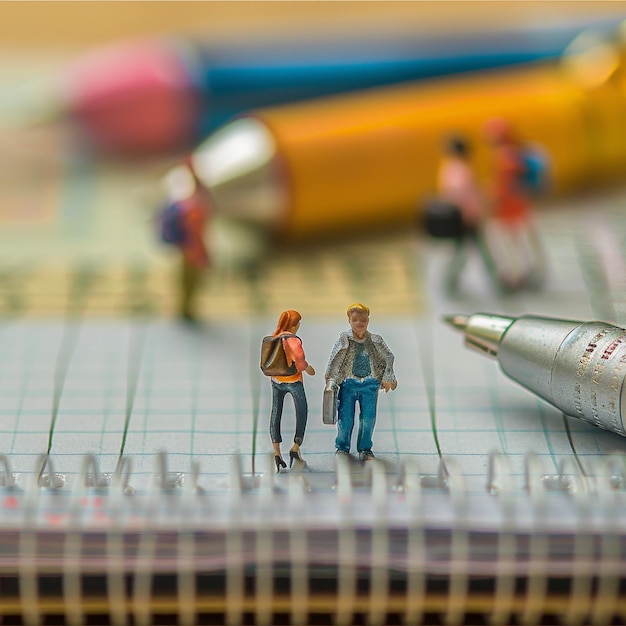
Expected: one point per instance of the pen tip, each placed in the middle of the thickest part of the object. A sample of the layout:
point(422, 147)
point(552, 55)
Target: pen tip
point(458, 321)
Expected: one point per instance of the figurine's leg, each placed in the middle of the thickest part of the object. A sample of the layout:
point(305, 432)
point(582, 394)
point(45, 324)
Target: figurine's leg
point(299, 400)
point(367, 421)
point(345, 414)
point(302, 410)
point(523, 253)
point(190, 281)
point(538, 270)
point(278, 399)
point(501, 241)
point(455, 266)
point(486, 257)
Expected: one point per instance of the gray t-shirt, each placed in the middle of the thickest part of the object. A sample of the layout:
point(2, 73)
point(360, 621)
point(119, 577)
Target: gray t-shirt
point(361, 366)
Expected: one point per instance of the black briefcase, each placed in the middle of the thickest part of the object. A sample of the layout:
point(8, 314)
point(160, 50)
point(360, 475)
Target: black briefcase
point(443, 219)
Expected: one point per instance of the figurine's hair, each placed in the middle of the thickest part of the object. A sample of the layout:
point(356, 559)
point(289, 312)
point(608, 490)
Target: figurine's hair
point(357, 306)
point(457, 145)
point(287, 320)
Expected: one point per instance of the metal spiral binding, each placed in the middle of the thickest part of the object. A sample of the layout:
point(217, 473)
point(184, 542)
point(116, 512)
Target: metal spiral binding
point(537, 585)
point(416, 580)
point(8, 479)
point(262, 519)
point(116, 592)
point(500, 482)
point(234, 548)
point(612, 476)
point(298, 543)
point(379, 583)
point(346, 583)
point(459, 575)
point(49, 480)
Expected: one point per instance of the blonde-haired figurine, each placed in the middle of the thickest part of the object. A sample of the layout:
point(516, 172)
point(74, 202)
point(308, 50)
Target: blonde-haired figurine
point(361, 363)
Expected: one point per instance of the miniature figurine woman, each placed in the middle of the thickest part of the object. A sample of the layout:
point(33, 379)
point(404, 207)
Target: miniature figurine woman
point(288, 324)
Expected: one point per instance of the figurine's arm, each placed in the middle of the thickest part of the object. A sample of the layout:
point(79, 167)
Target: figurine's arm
point(337, 354)
point(295, 353)
point(389, 381)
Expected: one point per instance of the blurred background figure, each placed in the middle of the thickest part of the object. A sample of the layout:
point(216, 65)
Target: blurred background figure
point(517, 172)
point(459, 188)
point(184, 223)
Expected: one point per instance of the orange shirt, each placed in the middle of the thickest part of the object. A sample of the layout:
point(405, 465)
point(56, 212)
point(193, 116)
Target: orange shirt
point(195, 218)
point(295, 354)
point(510, 200)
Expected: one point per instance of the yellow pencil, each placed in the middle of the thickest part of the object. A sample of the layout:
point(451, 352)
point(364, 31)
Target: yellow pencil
point(365, 160)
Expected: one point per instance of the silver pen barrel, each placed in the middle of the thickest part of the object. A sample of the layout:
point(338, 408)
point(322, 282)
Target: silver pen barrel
point(579, 367)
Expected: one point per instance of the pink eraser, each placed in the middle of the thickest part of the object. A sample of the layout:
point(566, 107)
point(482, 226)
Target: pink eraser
point(134, 97)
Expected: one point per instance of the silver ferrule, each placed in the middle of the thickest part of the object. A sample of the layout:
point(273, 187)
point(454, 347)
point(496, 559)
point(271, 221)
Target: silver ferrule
point(483, 331)
point(238, 164)
point(578, 367)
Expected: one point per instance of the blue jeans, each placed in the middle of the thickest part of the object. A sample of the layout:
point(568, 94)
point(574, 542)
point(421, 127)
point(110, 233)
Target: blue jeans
point(279, 391)
point(366, 392)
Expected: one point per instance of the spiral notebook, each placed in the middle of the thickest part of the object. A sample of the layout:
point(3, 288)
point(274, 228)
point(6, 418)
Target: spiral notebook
point(137, 487)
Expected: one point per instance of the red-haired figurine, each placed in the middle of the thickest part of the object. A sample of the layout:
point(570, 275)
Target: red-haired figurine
point(286, 328)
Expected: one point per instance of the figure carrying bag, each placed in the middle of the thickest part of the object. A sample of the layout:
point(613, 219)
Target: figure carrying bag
point(273, 357)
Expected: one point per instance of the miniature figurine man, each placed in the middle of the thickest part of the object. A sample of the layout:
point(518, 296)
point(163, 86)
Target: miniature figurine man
point(360, 363)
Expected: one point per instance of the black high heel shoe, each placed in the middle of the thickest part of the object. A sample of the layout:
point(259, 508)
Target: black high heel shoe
point(294, 454)
point(279, 462)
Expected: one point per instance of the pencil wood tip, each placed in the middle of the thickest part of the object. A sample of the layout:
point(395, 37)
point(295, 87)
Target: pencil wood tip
point(457, 321)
